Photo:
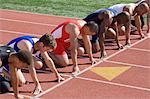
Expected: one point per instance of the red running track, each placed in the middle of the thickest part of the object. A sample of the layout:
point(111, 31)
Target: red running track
point(134, 83)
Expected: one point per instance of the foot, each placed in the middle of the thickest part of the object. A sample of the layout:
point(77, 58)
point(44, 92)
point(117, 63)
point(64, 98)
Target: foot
point(37, 90)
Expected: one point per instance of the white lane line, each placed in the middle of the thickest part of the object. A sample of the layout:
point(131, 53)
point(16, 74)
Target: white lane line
point(116, 84)
point(27, 22)
point(139, 49)
point(50, 89)
point(88, 68)
point(132, 65)
point(15, 32)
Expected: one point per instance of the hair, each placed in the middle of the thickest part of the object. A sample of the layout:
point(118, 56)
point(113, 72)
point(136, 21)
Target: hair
point(25, 57)
point(48, 40)
point(103, 14)
point(122, 18)
point(92, 26)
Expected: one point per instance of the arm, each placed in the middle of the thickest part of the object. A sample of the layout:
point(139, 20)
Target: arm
point(73, 30)
point(32, 71)
point(14, 79)
point(127, 32)
point(88, 47)
point(117, 34)
point(148, 22)
point(103, 29)
point(49, 62)
point(138, 25)
point(23, 45)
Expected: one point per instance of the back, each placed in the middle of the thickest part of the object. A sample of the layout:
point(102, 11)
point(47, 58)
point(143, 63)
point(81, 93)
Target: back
point(4, 54)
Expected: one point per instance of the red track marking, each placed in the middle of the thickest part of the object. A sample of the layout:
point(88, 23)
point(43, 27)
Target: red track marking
point(25, 27)
point(135, 76)
point(37, 24)
point(25, 16)
point(143, 45)
point(133, 57)
point(82, 89)
point(6, 37)
point(3, 96)
point(49, 90)
point(46, 79)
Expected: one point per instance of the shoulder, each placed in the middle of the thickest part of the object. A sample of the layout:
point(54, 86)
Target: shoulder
point(25, 45)
point(72, 29)
point(71, 26)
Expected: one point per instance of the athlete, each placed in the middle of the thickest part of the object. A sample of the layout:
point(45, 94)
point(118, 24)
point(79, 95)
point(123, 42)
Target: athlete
point(136, 11)
point(10, 74)
point(107, 18)
point(38, 48)
point(66, 35)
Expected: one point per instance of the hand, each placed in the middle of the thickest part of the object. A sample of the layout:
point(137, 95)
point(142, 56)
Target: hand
point(37, 90)
point(20, 97)
point(93, 61)
point(59, 78)
point(142, 36)
point(120, 46)
point(75, 71)
point(103, 55)
point(148, 30)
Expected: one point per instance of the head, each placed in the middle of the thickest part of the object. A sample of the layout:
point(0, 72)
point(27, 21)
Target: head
point(21, 59)
point(47, 42)
point(90, 28)
point(103, 14)
point(141, 9)
point(105, 17)
point(122, 18)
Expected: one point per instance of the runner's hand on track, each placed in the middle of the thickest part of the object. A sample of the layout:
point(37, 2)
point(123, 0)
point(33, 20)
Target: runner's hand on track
point(120, 46)
point(93, 62)
point(37, 90)
point(103, 55)
point(59, 78)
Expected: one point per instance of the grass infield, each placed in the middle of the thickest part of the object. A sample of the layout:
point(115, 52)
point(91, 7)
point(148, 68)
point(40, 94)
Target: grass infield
point(69, 8)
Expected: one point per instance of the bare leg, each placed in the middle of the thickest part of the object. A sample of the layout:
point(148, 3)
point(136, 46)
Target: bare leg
point(37, 63)
point(95, 47)
point(21, 77)
point(121, 31)
point(102, 46)
point(112, 32)
point(60, 59)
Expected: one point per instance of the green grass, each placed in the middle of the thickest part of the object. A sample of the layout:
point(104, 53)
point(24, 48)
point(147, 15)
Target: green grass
point(69, 8)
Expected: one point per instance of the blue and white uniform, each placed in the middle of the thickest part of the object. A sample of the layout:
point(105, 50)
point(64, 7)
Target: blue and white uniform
point(30, 40)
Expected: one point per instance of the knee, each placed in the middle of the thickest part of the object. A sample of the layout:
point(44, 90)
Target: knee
point(95, 47)
point(38, 65)
point(65, 63)
point(81, 51)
